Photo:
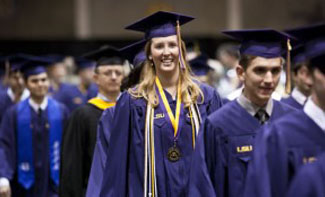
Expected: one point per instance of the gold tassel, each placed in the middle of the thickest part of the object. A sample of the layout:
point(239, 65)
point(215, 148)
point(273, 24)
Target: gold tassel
point(288, 69)
point(179, 40)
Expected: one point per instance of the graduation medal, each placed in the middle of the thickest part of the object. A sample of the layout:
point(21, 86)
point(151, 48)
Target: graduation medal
point(174, 153)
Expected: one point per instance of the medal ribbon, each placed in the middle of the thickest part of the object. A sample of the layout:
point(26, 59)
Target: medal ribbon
point(174, 120)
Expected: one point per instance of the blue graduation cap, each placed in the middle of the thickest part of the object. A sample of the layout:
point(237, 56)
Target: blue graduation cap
point(159, 24)
point(267, 43)
point(313, 36)
point(17, 60)
point(298, 55)
point(34, 67)
point(199, 65)
point(54, 58)
point(83, 63)
point(106, 55)
point(162, 24)
point(134, 53)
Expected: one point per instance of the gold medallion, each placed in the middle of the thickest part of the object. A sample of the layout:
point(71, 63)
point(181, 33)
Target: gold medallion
point(174, 154)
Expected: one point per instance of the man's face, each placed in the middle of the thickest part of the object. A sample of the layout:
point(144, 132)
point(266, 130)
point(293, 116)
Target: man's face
point(260, 79)
point(319, 87)
point(16, 82)
point(109, 78)
point(303, 80)
point(38, 85)
point(86, 75)
point(58, 72)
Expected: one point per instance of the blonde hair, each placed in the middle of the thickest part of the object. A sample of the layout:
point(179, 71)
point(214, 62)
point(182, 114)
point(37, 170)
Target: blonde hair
point(146, 87)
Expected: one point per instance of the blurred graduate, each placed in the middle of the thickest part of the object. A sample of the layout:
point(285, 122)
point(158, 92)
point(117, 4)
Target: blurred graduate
point(301, 77)
point(135, 55)
point(80, 133)
point(30, 139)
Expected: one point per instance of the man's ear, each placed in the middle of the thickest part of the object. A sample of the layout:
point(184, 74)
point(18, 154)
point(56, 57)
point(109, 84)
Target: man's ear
point(240, 72)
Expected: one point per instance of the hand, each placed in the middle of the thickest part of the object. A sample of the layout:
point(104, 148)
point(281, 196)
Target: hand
point(5, 191)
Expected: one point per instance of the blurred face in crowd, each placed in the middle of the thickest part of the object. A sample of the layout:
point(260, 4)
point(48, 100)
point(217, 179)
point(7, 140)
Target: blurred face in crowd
point(260, 78)
point(86, 75)
point(303, 80)
point(38, 85)
point(319, 87)
point(16, 82)
point(109, 78)
point(58, 72)
point(164, 54)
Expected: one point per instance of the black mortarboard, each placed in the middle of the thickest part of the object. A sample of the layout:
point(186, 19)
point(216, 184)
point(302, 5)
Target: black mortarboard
point(106, 55)
point(134, 53)
point(199, 65)
point(34, 67)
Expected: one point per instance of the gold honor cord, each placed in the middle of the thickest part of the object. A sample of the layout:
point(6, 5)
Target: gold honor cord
point(179, 40)
point(288, 73)
point(175, 122)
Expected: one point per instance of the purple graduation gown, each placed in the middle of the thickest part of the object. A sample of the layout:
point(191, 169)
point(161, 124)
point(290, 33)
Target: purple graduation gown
point(43, 185)
point(224, 149)
point(280, 150)
point(123, 175)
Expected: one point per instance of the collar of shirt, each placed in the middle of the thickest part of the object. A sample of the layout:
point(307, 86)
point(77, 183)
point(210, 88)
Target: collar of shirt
point(298, 96)
point(36, 106)
point(11, 94)
point(315, 113)
point(104, 98)
point(251, 108)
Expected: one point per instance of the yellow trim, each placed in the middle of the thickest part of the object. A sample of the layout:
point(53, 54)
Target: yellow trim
point(174, 121)
point(101, 104)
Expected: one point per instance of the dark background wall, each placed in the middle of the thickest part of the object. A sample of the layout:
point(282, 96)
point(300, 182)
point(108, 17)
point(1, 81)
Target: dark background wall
point(55, 26)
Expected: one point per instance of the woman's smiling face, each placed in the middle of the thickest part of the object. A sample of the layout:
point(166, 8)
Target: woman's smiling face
point(164, 53)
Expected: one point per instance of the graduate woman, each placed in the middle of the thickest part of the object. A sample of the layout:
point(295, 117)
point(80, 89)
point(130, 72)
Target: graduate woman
point(155, 124)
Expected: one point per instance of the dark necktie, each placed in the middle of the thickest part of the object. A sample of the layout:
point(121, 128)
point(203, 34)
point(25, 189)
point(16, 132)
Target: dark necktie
point(261, 116)
point(39, 112)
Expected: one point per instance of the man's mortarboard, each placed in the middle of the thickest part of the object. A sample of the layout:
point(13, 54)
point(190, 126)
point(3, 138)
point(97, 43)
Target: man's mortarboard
point(199, 65)
point(83, 63)
point(34, 67)
point(313, 36)
point(134, 53)
point(267, 43)
point(106, 55)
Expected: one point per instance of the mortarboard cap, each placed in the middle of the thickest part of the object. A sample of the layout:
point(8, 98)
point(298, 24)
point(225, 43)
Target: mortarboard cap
point(267, 43)
point(134, 53)
point(298, 55)
point(159, 24)
point(313, 36)
point(34, 67)
point(17, 60)
point(106, 55)
point(199, 65)
point(54, 58)
point(83, 63)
